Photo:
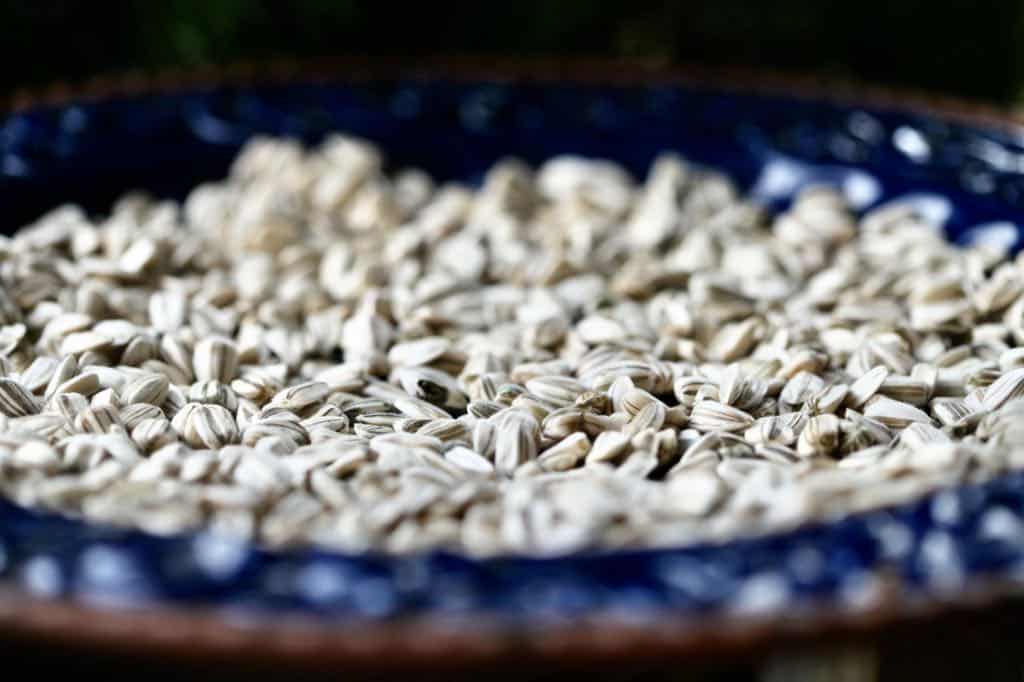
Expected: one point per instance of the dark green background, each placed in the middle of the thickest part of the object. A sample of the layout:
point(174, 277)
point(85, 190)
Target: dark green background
point(958, 47)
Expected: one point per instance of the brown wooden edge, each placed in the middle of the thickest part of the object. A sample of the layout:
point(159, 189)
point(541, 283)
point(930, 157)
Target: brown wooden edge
point(198, 636)
point(621, 72)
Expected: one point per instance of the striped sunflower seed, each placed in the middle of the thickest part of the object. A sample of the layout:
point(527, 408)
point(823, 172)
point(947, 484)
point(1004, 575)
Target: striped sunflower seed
point(497, 370)
point(215, 359)
point(1007, 387)
point(151, 388)
point(893, 413)
point(16, 400)
point(709, 415)
point(153, 433)
point(515, 441)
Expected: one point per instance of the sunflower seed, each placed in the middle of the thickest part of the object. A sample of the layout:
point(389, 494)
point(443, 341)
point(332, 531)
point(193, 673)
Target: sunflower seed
point(709, 415)
point(820, 436)
point(469, 460)
point(215, 359)
point(1007, 387)
point(694, 493)
point(37, 455)
point(97, 419)
point(770, 430)
point(919, 435)
point(153, 433)
point(566, 454)
point(211, 426)
point(894, 413)
point(515, 441)
point(905, 390)
point(151, 388)
point(16, 400)
point(311, 352)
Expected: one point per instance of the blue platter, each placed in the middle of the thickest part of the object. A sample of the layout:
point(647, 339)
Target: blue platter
point(89, 151)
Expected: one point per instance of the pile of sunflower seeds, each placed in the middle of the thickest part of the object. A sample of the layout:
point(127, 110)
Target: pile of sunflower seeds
point(314, 352)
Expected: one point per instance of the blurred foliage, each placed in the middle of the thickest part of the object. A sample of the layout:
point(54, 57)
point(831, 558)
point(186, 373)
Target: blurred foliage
point(962, 47)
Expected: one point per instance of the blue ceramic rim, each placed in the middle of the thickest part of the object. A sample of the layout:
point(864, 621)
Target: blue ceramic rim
point(972, 176)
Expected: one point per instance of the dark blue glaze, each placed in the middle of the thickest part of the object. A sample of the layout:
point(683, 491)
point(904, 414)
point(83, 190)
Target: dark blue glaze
point(91, 152)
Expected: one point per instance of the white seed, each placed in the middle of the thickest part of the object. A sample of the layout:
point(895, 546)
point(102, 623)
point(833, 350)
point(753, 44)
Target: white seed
point(709, 415)
point(608, 446)
point(1007, 387)
point(36, 455)
point(820, 436)
point(313, 352)
point(150, 388)
point(694, 493)
point(16, 400)
point(894, 413)
point(566, 454)
point(919, 435)
point(215, 359)
point(154, 433)
point(515, 441)
point(469, 460)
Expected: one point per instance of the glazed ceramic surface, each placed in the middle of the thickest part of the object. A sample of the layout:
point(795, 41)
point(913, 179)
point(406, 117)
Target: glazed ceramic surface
point(970, 178)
